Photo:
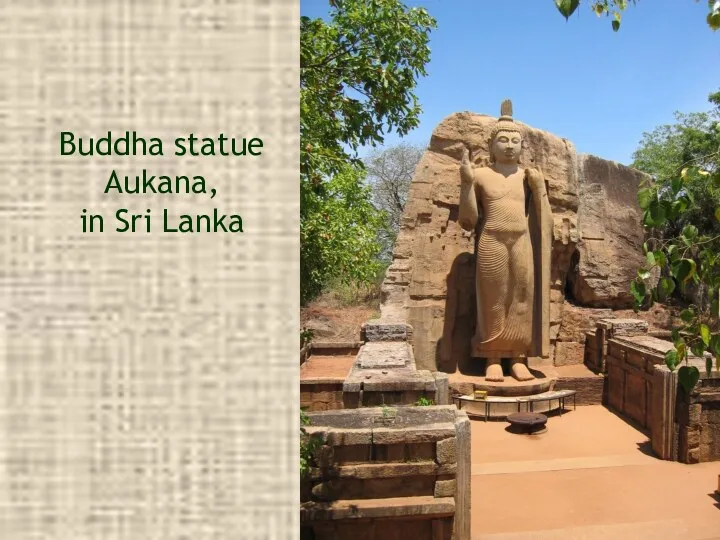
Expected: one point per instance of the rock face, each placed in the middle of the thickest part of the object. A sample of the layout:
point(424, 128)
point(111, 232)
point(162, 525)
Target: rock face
point(430, 284)
point(608, 253)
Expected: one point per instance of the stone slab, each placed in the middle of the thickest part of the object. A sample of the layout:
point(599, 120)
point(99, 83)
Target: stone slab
point(384, 355)
point(378, 508)
point(413, 434)
point(387, 470)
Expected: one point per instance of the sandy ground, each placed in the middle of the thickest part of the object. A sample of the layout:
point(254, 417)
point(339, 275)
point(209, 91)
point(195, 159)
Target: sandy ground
point(590, 476)
point(327, 367)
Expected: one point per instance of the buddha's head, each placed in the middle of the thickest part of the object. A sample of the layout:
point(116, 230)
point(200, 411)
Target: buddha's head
point(506, 138)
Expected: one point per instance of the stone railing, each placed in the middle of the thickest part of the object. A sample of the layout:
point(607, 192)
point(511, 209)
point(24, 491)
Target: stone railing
point(641, 387)
point(389, 473)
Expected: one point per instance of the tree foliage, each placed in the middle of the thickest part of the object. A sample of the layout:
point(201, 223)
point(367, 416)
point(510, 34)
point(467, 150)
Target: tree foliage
point(615, 8)
point(390, 172)
point(358, 73)
point(338, 233)
point(681, 214)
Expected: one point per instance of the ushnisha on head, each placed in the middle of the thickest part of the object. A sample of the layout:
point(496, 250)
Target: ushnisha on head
point(506, 137)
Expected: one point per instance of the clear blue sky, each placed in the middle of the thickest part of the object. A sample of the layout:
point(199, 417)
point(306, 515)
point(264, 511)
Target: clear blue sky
point(577, 79)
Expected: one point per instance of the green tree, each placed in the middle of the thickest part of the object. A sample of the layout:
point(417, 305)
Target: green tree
point(681, 208)
point(665, 152)
point(338, 234)
point(357, 76)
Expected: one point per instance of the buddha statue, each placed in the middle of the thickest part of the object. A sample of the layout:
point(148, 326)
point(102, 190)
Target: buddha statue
point(508, 208)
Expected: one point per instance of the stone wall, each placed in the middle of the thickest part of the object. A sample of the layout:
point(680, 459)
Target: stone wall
point(641, 387)
point(596, 249)
point(321, 395)
point(390, 473)
point(698, 420)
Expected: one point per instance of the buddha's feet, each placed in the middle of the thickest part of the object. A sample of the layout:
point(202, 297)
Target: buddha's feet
point(494, 373)
point(520, 371)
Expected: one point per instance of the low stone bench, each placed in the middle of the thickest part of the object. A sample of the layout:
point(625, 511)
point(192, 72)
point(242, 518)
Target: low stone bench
point(483, 407)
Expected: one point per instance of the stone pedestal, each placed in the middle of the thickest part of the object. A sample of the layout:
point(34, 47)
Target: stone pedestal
point(384, 372)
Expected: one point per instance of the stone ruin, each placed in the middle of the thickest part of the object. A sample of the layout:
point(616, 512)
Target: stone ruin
point(596, 250)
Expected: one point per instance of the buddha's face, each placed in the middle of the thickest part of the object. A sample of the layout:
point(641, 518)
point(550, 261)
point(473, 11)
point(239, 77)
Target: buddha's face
point(506, 147)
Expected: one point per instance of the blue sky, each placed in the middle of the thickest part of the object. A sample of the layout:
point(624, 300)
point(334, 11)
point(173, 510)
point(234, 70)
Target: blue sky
point(577, 79)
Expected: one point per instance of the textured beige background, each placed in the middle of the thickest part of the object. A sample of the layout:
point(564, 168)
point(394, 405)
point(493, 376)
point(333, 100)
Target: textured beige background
point(148, 383)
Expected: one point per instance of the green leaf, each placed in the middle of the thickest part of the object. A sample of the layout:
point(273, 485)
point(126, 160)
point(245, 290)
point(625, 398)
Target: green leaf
point(675, 335)
point(708, 365)
point(671, 359)
point(659, 257)
point(690, 232)
point(688, 376)
point(686, 315)
point(717, 213)
point(650, 258)
point(644, 196)
point(657, 213)
point(676, 185)
point(713, 20)
point(616, 26)
point(683, 270)
point(715, 344)
point(697, 349)
point(666, 286)
point(637, 289)
point(705, 334)
point(643, 274)
point(567, 7)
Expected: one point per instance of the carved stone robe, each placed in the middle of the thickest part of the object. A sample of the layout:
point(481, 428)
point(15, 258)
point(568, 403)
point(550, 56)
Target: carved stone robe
point(514, 237)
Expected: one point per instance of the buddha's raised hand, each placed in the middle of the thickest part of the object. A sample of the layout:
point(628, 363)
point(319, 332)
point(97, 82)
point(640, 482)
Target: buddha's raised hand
point(466, 169)
point(535, 179)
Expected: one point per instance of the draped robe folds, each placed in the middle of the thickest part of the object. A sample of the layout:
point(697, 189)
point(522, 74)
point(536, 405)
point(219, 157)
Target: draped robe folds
point(512, 283)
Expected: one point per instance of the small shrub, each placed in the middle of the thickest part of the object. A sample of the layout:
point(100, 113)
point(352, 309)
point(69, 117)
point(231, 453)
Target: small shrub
point(308, 446)
point(424, 402)
point(306, 336)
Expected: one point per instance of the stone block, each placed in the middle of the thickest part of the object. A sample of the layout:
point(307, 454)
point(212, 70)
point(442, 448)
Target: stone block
point(445, 488)
point(413, 434)
point(349, 437)
point(442, 385)
point(390, 452)
point(693, 437)
point(380, 488)
point(366, 471)
point(352, 454)
point(421, 452)
point(694, 414)
point(380, 331)
point(319, 432)
point(446, 451)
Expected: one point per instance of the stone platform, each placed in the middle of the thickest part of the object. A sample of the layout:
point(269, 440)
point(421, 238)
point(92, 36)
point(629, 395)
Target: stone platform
point(464, 384)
